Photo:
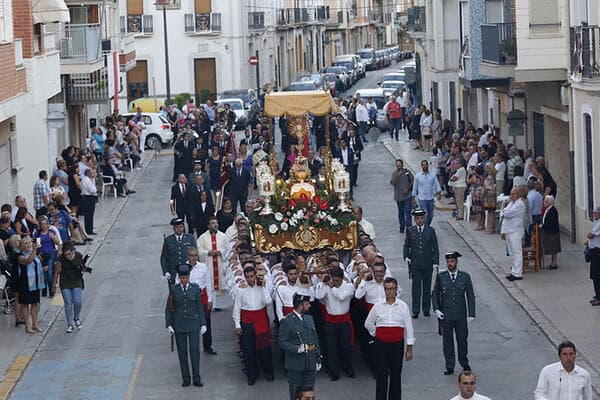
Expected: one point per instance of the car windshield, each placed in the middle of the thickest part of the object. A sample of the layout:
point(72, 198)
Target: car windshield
point(302, 86)
point(365, 55)
point(380, 101)
point(336, 70)
point(395, 77)
point(393, 85)
point(345, 64)
point(329, 77)
point(235, 105)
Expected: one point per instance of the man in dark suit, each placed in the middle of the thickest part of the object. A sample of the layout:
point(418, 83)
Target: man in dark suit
point(262, 144)
point(183, 155)
point(174, 249)
point(356, 145)
point(298, 339)
point(313, 163)
point(179, 200)
point(421, 254)
point(346, 157)
point(240, 182)
point(199, 170)
point(453, 295)
point(184, 318)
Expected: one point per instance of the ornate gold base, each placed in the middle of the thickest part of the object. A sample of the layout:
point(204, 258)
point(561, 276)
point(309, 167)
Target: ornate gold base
point(306, 239)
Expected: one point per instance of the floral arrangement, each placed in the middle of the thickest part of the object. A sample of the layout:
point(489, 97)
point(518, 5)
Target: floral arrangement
point(289, 214)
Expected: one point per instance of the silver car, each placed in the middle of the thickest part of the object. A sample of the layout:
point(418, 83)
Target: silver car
point(380, 99)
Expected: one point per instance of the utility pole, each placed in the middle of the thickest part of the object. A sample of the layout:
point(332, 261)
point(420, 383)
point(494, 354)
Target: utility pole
point(167, 73)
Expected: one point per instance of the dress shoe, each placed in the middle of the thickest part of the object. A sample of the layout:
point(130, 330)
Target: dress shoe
point(198, 384)
point(467, 368)
point(251, 382)
point(508, 276)
point(335, 378)
point(596, 303)
point(415, 315)
point(185, 383)
point(515, 278)
point(91, 233)
point(210, 351)
point(351, 373)
point(591, 301)
point(426, 314)
point(448, 372)
point(270, 377)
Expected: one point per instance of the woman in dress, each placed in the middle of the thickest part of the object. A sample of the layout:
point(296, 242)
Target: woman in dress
point(31, 281)
point(12, 251)
point(75, 189)
point(489, 196)
point(476, 184)
point(551, 229)
point(49, 243)
point(213, 166)
point(225, 215)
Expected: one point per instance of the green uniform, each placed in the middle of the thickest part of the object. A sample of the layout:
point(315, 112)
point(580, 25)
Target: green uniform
point(174, 253)
point(422, 250)
point(301, 367)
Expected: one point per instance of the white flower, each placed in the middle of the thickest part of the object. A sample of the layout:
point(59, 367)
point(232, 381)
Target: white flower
point(278, 216)
point(299, 214)
point(333, 221)
point(273, 229)
point(293, 222)
point(284, 226)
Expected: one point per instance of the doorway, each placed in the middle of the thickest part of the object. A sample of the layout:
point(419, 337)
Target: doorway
point(205, 80)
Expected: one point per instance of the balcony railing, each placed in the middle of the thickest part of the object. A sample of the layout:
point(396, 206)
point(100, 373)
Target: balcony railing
point(323, 13)
point(281, 17)
point(256, 20)
point(416, 19)
point(203, 23)
point(305, 15)
point(88, 88)
point(585, 51)
point(137, 24)
point(499, 43)
point(80, 43)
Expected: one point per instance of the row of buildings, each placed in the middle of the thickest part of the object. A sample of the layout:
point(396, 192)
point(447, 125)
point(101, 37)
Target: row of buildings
point(65, 64)
point(529, 67)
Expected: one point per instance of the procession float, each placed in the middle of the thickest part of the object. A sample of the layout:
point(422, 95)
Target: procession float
point(299, 212)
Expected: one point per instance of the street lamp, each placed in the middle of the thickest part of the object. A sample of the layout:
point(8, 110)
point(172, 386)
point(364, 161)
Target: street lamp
point(164, 4)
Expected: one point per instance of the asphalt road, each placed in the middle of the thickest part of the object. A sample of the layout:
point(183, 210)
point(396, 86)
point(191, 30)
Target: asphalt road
point(123, 349)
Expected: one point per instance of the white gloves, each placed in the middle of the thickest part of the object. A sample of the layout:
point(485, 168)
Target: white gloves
point(439, 314)
point(302, 348)
point(407, 260)
point(170, 328)
point(435, 266)
point(167, 276)
point(318, 367)
point(470, 319)
point(203, 329)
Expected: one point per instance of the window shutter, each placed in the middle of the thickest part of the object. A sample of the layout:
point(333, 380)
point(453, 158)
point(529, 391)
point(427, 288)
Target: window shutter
point(544, 16)
point(135, 7)
point(6, 21)
point(202, 6)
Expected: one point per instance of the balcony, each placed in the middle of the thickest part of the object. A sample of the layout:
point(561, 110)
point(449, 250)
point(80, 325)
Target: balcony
point(416, 21)
point(294, 15)
point(256, 21)
point(585, 52)
point(323, 13)
point(499, 50)
point(305, 15)
point(203, 24)
point(126, 52)
point(139, 25)
point(88, 88)
point(80, 48)
point(282, 18)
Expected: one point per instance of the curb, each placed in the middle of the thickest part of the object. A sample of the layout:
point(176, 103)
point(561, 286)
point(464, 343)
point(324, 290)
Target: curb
point(19, 365)
point(546, 326)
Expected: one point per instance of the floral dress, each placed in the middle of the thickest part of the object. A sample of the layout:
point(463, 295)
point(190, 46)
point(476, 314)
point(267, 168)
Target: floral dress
point(489, 193)
point(477, 193)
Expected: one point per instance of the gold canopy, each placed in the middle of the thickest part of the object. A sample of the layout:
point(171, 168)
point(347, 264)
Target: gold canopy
point(295, 104)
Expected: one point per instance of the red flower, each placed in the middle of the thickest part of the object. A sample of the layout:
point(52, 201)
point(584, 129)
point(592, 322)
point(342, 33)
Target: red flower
point(317, 220)
point(306, 217)
point(293, 203)
point(317, 199)
point(303, 197)
point(283, 208)
point(324, 205)
point(285, 219)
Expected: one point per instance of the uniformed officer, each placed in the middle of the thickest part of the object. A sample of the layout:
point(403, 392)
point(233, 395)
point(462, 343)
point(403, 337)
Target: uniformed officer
point(185, 319)
point(174, 250)
point(421, 255)
point(452, 297)
point(298, 338)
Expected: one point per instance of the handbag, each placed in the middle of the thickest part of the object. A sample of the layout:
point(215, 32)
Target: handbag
point(586, 254)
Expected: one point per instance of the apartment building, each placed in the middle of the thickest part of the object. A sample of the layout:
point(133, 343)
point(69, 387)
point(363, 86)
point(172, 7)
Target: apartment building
point(29, 76)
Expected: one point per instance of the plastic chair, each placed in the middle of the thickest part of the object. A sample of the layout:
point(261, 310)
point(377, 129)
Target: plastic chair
point(467, 205)
point(108, 181)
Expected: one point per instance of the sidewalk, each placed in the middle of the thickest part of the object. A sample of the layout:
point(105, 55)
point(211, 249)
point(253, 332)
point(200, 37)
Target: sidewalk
point(556, 300)
point(16, 346)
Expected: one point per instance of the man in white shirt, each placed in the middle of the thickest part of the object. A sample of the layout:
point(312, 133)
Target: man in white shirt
point(89, 196)
point(286, 289)
point(564, 380)
point(466, 386)
point(362, 117)
point(473, 158)
point(514, 230)
point(389, 322)
point(366, 226)
point(336, 294)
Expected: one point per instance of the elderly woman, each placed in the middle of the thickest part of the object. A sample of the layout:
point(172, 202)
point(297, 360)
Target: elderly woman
point(12, 251)
point(551, 230)
point(31, 281)
point(593, 243)
point(489, 197)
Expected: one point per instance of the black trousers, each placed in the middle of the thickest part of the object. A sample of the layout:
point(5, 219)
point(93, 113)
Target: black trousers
point(298, 379)
point(449, 329)
point(207, 337)
point(339, 347)
point(239, 198)
point(252, 356)
point(421, 289)
point(181, 339)
point(89, 207)
point(387, 364)
point(315, 311)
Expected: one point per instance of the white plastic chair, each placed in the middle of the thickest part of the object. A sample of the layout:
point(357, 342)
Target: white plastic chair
point(467, 205)
point(108, 181)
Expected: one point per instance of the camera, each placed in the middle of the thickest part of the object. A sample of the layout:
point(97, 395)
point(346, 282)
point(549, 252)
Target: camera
point(83, 267)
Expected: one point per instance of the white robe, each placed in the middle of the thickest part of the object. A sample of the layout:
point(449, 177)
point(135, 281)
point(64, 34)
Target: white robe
point(204, 246)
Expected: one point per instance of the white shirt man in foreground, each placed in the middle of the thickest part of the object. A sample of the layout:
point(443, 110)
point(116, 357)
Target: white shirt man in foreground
point(466, 386)
point(564, 380)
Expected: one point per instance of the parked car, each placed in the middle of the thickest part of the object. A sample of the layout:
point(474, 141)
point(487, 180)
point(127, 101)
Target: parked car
point(248, 95)
point(410, 72)
point(380, 99)
point(158, 129)
point(358, 64)
point(243, 114)
point(351, 68)
point(317, 79)
point(393, 88)
point(329, 79)
point(341, 73)
point(382, 59)
point(300, 86)
point(393, 76)
point(369, 59)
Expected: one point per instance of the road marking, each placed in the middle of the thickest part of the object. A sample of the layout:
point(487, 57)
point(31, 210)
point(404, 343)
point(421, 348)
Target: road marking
point(134, 375)
point(13, 374)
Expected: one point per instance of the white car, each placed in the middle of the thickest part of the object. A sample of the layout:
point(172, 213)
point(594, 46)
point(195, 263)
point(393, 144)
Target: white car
point(239, 108)
point(380, 99)
point(158, 129)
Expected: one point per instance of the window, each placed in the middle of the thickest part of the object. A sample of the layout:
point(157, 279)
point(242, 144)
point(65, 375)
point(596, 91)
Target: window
point(6, 34)
point(589, 164)
point(544, 16)
point(494, 11)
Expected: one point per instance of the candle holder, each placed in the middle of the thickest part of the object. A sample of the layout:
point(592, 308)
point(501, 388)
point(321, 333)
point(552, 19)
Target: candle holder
point(341, 185)
point(266, 189)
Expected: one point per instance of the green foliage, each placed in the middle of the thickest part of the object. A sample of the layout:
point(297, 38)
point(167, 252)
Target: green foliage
point(205, 95)
point(180, 99)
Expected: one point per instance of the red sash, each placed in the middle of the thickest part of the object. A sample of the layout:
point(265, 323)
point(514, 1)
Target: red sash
point(287, 310)
point(369, 306)
point(204, 300)
point(341, 319)
point(389, 334)
point(215, 260)
point(260, 321)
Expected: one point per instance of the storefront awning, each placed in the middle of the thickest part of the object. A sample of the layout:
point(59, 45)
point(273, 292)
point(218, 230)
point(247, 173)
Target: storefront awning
point(295, 104)
point(47, 11)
